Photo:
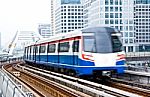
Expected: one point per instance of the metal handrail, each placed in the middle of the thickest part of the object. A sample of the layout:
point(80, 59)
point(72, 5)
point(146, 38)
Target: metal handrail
point(9, 86)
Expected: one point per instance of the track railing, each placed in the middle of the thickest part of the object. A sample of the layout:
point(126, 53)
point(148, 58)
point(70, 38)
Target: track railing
point(8, 88)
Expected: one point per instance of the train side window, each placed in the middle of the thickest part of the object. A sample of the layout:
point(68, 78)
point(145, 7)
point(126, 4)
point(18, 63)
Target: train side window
point(51, 48)
point(25, 50)
point(75, 46)
point(63, 47)
point(36, 49)
point(30, 49)
point(42, 49)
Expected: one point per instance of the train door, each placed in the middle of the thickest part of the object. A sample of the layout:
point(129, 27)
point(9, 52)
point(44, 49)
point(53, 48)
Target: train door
point(37, 53)
point(63, 52)
point(75, 50)
point(25, 53)
point(58, 52)
point(47, 52)
point(34, 53)
point(43, 53)
point(52, 54)
point(29, 53)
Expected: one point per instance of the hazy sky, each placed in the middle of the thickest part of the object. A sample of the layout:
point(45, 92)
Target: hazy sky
point(22, 15)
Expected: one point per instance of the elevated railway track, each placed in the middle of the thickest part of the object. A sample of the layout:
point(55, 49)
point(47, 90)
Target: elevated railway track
point(46, 83)
point(43, 87)
point(130, 86)
point(138, 56)
point(87, 84)
point(116, 83)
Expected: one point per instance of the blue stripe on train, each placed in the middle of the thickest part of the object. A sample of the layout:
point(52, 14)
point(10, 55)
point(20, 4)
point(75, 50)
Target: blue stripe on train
point(122, 62)
point(86, 70)
point(68, 59)
point(67, 62)
point(64, 59)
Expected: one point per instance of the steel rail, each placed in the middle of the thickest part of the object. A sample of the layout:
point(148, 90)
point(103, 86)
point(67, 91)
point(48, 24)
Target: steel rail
point(96, 86)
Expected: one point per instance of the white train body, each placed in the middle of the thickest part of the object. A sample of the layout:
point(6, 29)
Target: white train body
point(84, 52)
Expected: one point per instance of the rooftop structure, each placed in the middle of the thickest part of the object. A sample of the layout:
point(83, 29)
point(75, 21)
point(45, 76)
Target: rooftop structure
point(68, 16)
point(44, 30)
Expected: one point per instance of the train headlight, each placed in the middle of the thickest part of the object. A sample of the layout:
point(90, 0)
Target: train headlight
point(106, 73)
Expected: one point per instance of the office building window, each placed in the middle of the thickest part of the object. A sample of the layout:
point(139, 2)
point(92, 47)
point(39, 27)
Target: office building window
point(116, 8)
point(106, 21)
point(116, 21)
point(131, 34)
point(111, 21)
point(116, 15)
point(111, 15)
point(130, 49)
point(120, 8)
point(106, 9)
point(126, 34)
point(120, 15)
point(130, 40)
point(106, 15)
point(126, 41)
point(111, 9)
point(111, 2)
point(116, 27)
point(106, 2)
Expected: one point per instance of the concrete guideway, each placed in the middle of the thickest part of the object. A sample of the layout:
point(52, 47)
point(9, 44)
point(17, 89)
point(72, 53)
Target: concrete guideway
point(74, 83)
point(142, 77)
point(44, 87)
point(88, 86)
point(137, 56)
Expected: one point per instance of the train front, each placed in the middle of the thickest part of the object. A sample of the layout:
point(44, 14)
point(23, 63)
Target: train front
point(103, 51)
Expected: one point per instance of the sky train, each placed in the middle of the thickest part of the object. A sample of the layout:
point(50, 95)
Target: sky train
point(90, 51)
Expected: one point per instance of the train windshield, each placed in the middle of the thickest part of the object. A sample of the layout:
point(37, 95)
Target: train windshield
point(101, 42)
point(116, 42)
point(97, 43)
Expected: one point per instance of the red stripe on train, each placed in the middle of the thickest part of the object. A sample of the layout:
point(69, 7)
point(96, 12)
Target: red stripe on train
point(63, 40)
point(87, 57)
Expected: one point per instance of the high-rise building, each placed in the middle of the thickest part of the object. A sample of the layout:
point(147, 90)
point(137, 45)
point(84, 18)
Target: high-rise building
point(53, 17)
point(142, 24)
point(68, 16)
point(112, 13)
point(131, 17)
point(44, 30)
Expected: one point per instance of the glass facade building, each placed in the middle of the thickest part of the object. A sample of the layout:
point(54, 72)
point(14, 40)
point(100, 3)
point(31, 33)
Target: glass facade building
point(112, 13)
point(44, 30)
point(131, 17)
point(142, 1)
point(68, 16)
point(142, 22)
point(70, 2)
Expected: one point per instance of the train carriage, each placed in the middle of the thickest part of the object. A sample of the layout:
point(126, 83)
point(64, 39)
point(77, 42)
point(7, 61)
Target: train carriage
point(91, 51)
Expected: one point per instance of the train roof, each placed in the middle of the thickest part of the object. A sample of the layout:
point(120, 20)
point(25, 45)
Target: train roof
point(76, 33)
point(100, 29)
point(61, 36)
